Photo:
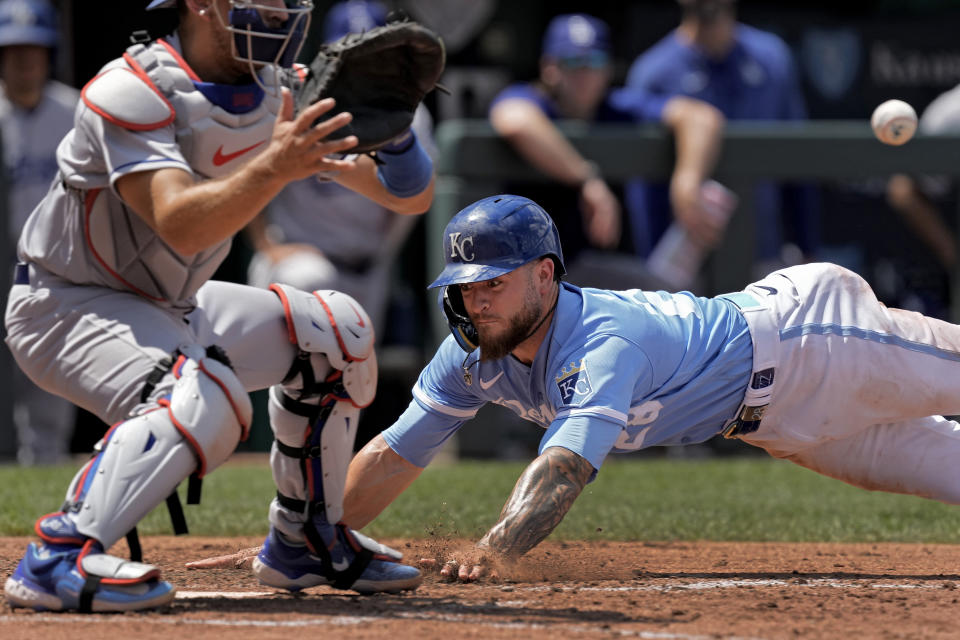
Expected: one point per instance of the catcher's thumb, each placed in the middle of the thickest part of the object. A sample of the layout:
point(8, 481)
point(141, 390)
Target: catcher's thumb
point(286, 105)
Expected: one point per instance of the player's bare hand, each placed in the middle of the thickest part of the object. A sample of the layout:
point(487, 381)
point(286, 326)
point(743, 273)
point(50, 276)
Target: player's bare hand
point(299, 148)
point(239, 560)
point(601, 214)
point(456, 572)
point(469, 567)
point(704, 229)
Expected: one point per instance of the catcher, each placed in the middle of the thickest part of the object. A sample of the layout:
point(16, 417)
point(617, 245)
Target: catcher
point(177, 145)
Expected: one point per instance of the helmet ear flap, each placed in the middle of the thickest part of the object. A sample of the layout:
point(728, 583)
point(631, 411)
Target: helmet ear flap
point(451, 301)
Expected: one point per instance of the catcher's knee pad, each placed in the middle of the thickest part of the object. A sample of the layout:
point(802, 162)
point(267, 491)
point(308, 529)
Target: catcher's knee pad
point(143, 459)
point(331, 331)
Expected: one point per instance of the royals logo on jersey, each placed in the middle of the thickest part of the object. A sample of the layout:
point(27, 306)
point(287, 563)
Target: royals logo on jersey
point(574, 382)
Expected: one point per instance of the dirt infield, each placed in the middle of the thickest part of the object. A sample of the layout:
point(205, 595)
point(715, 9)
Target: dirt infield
point(562, 590)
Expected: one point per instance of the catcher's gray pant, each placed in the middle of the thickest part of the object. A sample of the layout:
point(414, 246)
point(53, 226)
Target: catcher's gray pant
point(859, 389)
point(96, 346)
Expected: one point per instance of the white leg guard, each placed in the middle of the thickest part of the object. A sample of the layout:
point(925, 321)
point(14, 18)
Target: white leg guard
point(193, 429)
point(309, 463)
point(314, 412)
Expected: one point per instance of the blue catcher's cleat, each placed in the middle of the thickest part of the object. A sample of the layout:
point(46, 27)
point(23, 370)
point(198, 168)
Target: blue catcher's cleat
point(53, 577)
point(293, 566)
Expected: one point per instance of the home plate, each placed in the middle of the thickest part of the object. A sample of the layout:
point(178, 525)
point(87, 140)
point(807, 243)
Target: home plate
point(229, 595)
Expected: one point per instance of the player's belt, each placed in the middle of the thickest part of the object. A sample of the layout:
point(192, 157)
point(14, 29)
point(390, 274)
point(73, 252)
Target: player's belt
point(21, 273)
point(766, 341)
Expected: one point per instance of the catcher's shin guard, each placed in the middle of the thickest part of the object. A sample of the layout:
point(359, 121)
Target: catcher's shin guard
point(142, 460)
point(314, 414)
point(314, 411)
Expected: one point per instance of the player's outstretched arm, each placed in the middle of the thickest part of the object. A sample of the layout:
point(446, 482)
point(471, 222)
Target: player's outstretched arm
point(540, 499)
point(375, 477)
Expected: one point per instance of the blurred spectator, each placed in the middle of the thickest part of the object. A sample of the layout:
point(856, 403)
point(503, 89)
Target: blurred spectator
point(35, 114)
point(748, 74)
point(920, 199)
point(574, 84)
point(319, 235)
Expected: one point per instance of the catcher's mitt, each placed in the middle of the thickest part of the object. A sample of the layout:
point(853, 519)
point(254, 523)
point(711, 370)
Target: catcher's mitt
point(379, 76)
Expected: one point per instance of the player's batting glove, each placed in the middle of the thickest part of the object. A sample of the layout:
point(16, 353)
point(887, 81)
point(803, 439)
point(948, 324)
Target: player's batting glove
point(380, 76)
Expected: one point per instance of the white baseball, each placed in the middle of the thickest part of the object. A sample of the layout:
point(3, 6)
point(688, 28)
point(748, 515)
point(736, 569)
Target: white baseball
point(894, 122)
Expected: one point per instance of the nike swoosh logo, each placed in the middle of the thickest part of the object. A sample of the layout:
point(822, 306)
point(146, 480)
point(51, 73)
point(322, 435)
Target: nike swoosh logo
point(220, 159)
point(342, 565)
point(486, 384)
point(770, 290)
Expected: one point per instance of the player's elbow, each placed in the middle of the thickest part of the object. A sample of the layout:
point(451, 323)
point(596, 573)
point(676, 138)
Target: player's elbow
point(901, 191)
point(184, 246)
point(512, 119)
point(681, 110)
point(183, 239)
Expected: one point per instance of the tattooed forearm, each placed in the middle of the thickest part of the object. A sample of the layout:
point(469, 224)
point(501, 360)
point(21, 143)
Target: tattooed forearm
point(540, 500)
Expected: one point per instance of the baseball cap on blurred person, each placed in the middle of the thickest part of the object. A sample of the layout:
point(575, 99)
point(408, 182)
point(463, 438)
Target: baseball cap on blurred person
point(353, 16)
point(578, 40)
point(31, 22)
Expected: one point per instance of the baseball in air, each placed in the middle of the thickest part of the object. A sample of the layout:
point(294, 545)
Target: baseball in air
point(894, 122)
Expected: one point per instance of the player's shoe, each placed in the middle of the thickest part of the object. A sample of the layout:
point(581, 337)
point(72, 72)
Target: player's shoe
point(288, 565)
point(52, 577)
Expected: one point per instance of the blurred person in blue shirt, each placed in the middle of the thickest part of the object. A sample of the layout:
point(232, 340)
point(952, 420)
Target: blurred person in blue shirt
point(747, 74)
point(574, 84)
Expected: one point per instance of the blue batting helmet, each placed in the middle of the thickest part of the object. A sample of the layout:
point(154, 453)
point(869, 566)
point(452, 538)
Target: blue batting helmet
point(28, 22)
point(485, 240)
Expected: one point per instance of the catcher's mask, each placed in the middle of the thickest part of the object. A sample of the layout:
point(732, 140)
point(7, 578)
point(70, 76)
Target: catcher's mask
point(485, 240)
point(264, 32)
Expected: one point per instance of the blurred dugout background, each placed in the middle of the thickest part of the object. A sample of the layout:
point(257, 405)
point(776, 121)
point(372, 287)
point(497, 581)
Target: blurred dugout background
point(851, 56)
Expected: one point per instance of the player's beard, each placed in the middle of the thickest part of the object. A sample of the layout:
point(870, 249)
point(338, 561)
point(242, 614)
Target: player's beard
point(519, 328)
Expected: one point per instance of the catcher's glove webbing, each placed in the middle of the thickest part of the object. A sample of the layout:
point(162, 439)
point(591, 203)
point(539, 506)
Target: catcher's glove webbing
point(379, 76)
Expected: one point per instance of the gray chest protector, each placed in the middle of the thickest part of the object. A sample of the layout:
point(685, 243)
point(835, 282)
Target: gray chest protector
point(151, 87)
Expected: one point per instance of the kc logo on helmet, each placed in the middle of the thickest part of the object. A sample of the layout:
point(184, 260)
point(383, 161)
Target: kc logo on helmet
point(462, 248)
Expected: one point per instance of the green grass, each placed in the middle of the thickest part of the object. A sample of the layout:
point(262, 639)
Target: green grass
point(641, 499)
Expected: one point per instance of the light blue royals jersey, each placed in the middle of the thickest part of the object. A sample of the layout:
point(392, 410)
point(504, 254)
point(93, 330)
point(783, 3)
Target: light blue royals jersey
point(618, 371)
